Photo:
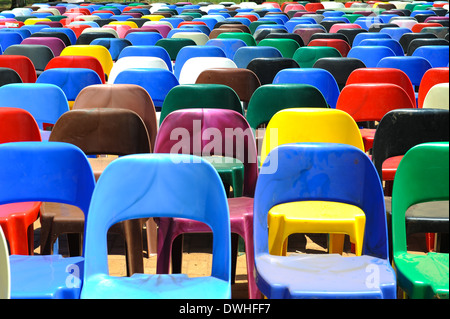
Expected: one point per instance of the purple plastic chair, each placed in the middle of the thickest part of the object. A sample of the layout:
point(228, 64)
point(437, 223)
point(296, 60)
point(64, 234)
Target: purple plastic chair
point(229, 123)
point(55, 44)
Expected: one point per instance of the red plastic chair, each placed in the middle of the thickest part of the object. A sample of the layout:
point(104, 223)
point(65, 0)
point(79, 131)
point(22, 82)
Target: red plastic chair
point(22, 65)
point(241, 208)
point(77, 28)
point(16, 219)
point(430, 78)
point(419, 26)
point(370, 102)
point(313, 7)
point(77, 61)
point(383, 75)
point(342, 46)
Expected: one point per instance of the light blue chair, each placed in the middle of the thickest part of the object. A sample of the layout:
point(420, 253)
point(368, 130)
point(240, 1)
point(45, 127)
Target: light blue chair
point(437, 55)
point(244, 55)
point(319, 78)
point(53, 172)
point(330, 172)
point(370, 54)
point(228, 45)
point(396, 33)
point(159, 185)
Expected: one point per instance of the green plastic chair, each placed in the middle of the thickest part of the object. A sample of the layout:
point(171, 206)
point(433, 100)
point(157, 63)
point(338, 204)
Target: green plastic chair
point(307, 56)
point(246, 37)
point(187, 96)
point(287, 47)
point(270, 98)
point(253, 25)
point(174, 45)
point(422, 176)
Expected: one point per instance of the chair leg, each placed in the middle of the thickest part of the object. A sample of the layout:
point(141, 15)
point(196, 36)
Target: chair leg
point(177, 254)
point(234, 253)
point(74, 243)
point(132, 230)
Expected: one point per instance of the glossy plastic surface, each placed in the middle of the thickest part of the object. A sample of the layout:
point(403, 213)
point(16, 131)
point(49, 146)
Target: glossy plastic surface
point(282, 179)
point(97, 51)
point(78, 61)
point(147, 50)
point(414, 66)
point(188, 52)
point(422, 176)
point(437, 97)
point(55, 44)
point(130, 62)
point(168, 187)
point(430, 78)
point(307, 56)
point(339, 67)
point(342, 46)
point(267, 68)
point(370, 55)
point(228, 45)
point(437, 55)
point(22, 65)
point(39, 54)
point(194, 66)
point(287, 47)
point(45, 276)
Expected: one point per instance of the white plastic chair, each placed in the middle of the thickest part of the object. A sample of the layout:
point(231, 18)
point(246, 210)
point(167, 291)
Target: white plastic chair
point(135, 62)
point(437, 97)
point(194, 66)
point(198, 37)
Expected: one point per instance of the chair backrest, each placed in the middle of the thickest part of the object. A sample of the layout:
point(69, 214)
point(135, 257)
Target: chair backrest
point(407, 38)
point(342, 46)
point(46, 102)
point(437, 97)
point(103, 131)
point(400, 130)
point(185, 96)
point(414, 66)
point(125, 96)
point(77, 61)
point(267, 68)
point(114, 45)
point(17, 125)
point(307, 56)
point(339, 67)
point(70, 80)
point(383, 75)
point(286, 46)
point(97, 51)
point(232, 137)
point(158, 186)
point(317, 171)
point(144, 38)
point(147, 50)
point(188, 52)
point(271, 98)
point(55, 44)
point(22, 65)
point(418, 43)
point(244, 55)
point(437, 55)
point(430, 78)
point(422, 176)
point(174, 45)
point(8, 76)
point(370, 55)
point(194, 66)
point(243, 81)
point(394, 45)
point(321, 79)
point(199, 37)
point(40, 55)
point(228, 45)
point(130, 62)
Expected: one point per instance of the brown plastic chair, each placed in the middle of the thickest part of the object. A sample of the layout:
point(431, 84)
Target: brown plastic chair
point(243, 81)
point(215, 32)
point(96, 131)
point(125, 96)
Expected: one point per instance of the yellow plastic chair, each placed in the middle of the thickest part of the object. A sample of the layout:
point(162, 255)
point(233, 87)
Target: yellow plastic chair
point(131, 24)
point(98, 51)
point(32, 21)
point(155, 17)
point(298, 125)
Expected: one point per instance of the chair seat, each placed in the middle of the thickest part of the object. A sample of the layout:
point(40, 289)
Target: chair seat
point(315, 217)
point(390, 167)
point(367, 135)
point(50, 276)
point(425, 276)
point(141, 286)
point(325, 276)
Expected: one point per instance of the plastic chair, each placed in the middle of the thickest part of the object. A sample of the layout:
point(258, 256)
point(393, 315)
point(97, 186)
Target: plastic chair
point(97, 283)
point(271, 98)
point(307, 56)
point(437, 97)
point(342, 46)
point(96, 51)
point(422, 176)
point(185, 96)
point(319, 78)
point(60, 35)
point(147, 50)
point(45, 276)
point(187, 52)
point(287, 47)
point(8, 76)
point(77, 61)
point(55, 44)
point(415, 67)
point(390, 43)
point(267, 68)
point(395, 33)
point(339, 67)
point(130, 62)
point(383, 75)
point(244, 55)
point(114, 45)
point(407, 38)
point(157, 82)
point(244, 36)
point(68, 32)
point(418, 43)
point(22, 65)
point(46, 102)
point(370, 55)
point(374, 101)
point(367, 36)
point(430, 78)
point(174, 45)
point(322, 275)
point(40, 55)
point(70, 80)
point(9, 38)
point(5, 274)
point(243, 81)
point(437, 55)
point(228, 45)
point(198, 37)
point(16, 219)
point(241, 208)
point(192, 68)
point(125, 96)
point(143, 38)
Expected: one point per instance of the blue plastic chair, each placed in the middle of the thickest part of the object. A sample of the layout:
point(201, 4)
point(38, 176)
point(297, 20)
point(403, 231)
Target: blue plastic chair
point(395, 33)
point(174, 21)
point(23, 32)
point(148, 50)
point(244, 21)
point(34, 27)
point(158, 186)
point(114, 45)
point(437, 55)
point(390, 43)
point(271, 26)
point(369, 35)
point(210, 22)
point(244, 55)
point(323, 171)
point(414, 66)
point(229, 46)
point(319, 78)
point(366, 22)
point(46, 102)
point(70, 80)
point(69, 32)
point(197, 27)
point(157, 82)
point(143, 38)
point(192, 51)
point(370, 54)
point(9, 38)
point(52, 172)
